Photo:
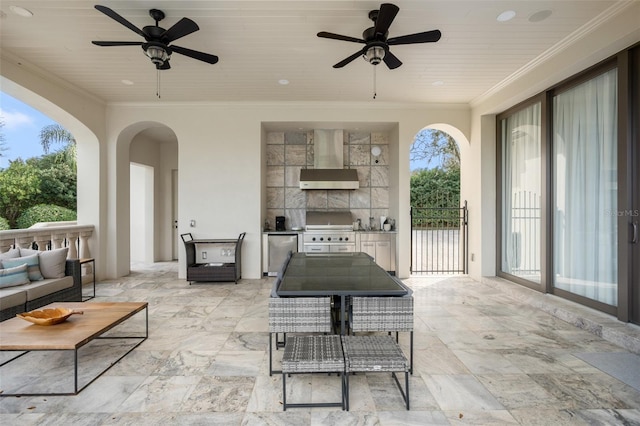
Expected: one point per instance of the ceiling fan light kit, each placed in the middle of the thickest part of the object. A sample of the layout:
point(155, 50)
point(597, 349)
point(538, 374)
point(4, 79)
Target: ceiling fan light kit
point(157, 53)
point(374, 54)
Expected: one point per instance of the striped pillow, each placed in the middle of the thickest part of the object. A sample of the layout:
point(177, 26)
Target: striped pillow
point(10, 277)
point(32, 262)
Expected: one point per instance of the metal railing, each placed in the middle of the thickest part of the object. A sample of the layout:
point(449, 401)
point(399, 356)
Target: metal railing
point(439, 240)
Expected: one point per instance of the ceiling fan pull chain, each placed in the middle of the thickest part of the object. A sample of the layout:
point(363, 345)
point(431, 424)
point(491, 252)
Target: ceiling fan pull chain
point(158, 84)
point(375, 91)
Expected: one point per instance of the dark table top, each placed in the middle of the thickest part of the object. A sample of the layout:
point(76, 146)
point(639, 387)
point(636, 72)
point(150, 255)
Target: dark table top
point(353, 274)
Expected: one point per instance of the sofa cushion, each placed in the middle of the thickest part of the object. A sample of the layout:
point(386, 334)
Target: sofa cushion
point(32, 262)
point(10, 277)
point(38, 289)
point(10, 254)
point(52, 262)
point(13, 296)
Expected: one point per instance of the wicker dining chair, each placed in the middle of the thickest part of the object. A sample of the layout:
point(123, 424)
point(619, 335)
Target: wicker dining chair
point(314, 352)
point(379, 352)
point(390, 314)
point(274, 293)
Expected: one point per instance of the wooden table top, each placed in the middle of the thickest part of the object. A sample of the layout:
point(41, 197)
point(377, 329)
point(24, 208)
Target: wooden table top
point(76, 331)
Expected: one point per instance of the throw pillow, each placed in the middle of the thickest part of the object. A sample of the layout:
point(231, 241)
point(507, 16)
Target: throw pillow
point(28, 252)
point(10, 254)
point(32, 262)
point(53, 262)
point(10, 277)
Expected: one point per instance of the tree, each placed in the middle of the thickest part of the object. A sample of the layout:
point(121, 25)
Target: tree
point(50, 179)
point(45, 213)
point(435, 197)
point(20, 183)
point(58, 179)
point(435, 188)
point(436, 145)
point(435, 191)
point(55, 133)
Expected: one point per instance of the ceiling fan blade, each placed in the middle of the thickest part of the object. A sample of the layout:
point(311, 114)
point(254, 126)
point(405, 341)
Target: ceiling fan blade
point(386, 15)
point(425, 37)
point(117, 43)
point(201, 56)
point(324, 34)
point(345, 61)
point(391, 60)
point(183, 27)
point(113, 15)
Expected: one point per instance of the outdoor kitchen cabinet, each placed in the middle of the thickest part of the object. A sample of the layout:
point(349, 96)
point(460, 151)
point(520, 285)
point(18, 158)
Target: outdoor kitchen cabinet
point(219, 259)
point(381, 246)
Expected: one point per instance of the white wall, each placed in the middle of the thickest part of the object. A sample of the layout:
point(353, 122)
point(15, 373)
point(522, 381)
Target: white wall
point(221, 164)
point(141, 214)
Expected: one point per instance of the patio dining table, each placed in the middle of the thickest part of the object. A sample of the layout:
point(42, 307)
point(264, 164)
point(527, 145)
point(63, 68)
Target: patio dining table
point(338, 275)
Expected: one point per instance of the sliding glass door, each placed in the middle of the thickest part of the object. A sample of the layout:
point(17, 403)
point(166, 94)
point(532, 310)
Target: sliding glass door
point(585, 140)
point(521, 193)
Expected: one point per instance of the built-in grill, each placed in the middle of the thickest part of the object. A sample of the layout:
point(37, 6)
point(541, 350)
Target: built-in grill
point(329, 232)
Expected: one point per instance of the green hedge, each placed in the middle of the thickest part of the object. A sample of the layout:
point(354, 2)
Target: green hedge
point(44, 213)
point(4, 224)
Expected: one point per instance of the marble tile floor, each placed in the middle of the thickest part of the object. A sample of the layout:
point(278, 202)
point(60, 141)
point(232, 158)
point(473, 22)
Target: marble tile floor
point(487, 353)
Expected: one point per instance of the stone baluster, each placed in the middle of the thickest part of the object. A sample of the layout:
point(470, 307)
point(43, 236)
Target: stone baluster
point(42, 239)
point(72, 237)
point(24, 241)
point(57, 240)
point(6, 244)
point(85, 252)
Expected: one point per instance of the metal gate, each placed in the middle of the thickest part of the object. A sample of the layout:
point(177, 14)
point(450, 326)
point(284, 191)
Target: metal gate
point(439, 240)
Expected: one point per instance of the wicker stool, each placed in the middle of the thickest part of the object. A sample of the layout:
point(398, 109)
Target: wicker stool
point(379, 352)
point(375, 353)
point(313, 354)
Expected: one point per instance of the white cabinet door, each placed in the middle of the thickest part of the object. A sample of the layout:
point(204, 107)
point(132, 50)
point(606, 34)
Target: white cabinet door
point(383, 254)
point(369, 247)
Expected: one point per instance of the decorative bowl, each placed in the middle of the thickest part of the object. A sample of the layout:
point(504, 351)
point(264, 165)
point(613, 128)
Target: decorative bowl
point(48, 316)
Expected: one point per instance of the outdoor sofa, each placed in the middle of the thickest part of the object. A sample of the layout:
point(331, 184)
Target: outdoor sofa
point(30, 279)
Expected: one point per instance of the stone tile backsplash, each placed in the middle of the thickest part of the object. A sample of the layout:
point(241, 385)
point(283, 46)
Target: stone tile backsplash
point(288, 152)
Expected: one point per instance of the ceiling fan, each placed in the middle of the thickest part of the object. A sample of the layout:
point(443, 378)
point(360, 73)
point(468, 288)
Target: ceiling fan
point(157, 40)
point(376, 47)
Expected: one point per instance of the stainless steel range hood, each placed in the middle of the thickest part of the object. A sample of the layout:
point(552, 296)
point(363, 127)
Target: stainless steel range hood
point(328, 171)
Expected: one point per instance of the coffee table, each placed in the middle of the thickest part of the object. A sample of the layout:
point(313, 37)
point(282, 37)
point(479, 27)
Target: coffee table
point(17, 334)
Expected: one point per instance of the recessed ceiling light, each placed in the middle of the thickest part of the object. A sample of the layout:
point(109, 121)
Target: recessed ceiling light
point(21, 11)
point(438, 83)
point(127, 82)
point(505, 16)
point(283, 81)
point(540, 15)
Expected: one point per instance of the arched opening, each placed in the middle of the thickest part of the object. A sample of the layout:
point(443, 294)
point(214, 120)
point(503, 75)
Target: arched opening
point(152, 192)
point(439, 237)
point(87, 160)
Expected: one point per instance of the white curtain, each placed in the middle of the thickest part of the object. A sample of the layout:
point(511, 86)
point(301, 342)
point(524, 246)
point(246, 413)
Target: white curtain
point(585, 179)
point(521, 183)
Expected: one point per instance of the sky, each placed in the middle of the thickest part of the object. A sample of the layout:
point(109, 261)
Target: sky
point(22, 125)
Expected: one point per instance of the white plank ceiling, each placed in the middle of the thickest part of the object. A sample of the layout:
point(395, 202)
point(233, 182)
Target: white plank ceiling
point(262, 42)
